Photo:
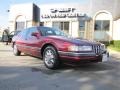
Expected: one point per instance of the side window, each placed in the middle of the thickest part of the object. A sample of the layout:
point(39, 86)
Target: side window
point(23, 33)
point(30, 31)
point(46, 31)
point(42, 30)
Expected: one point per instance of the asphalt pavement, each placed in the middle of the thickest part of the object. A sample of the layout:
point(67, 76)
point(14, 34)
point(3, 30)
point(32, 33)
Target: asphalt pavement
point(29, 73)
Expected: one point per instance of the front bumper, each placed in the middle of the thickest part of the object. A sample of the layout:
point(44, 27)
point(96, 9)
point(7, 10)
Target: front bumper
point(75, 54)
point(78, 56)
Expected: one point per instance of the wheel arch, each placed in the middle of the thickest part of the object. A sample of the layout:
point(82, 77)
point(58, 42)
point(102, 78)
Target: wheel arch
point(46, 45)
point(13, 43)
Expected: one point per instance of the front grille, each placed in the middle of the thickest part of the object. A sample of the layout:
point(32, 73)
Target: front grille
point(97, 49)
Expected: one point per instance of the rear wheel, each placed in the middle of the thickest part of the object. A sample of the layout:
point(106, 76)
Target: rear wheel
point(16, 51)
point(50, 57)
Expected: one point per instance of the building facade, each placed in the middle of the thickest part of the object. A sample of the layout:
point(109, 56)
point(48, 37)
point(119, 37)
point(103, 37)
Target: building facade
point(95, 20)
point(23, 16)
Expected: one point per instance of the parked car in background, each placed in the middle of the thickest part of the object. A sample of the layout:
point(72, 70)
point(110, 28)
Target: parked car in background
point(7, 37)
point(55, 47)
point(13, 33)
point(1, 32)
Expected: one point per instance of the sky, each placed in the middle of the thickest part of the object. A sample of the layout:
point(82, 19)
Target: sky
point(5, 5)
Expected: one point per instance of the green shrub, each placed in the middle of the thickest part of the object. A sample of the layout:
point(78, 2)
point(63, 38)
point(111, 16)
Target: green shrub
point(116, 43)
point(105, 42)
point(111, 42)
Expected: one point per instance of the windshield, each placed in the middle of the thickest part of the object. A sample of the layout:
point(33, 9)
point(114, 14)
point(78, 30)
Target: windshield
point(46, 31)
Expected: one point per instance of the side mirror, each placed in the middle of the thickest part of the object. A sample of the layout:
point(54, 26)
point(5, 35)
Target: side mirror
point(36, 34)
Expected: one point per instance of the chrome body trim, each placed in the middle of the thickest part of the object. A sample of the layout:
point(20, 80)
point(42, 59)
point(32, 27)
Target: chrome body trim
point(77, 54)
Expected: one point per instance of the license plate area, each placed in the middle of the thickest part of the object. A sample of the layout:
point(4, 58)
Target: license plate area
point(105, 57)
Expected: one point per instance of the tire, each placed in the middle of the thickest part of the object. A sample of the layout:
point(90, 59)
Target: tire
point(50, 58)
point(16, 51)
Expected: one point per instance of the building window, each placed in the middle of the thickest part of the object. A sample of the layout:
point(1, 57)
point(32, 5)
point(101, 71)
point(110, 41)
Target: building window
point(82, 25)
point(102, 25)
point(81, 34)
point(62, 26)
point(106, 25)
point(41, 23)
point(20, 25)
point(81, 28)
point(66, 26)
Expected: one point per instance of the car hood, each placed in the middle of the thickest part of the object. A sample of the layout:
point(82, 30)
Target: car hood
point(74, 40)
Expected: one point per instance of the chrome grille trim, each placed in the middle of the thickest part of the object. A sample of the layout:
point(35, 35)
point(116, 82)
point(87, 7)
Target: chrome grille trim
point(97, 49)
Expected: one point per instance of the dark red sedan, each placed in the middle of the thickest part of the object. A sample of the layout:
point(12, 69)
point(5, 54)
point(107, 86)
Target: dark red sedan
point(55, 47)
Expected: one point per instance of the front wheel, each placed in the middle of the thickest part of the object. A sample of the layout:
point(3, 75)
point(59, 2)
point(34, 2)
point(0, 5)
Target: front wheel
point(50, 57)
point(16, 51)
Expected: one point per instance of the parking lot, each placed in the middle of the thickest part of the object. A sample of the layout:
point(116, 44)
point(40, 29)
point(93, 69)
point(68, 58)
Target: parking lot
point(28, 73)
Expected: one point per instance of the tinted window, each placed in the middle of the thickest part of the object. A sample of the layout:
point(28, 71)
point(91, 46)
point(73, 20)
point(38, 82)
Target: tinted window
point(23, 33)
point(20, 25)
point(51, 31)
point(62, 26)
point(30, 31)
point(82, 25)
point(102, 24)
point(98, 25)
point(106, 25)
point(66, 27)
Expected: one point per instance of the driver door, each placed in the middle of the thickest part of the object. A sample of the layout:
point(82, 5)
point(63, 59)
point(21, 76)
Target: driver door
point(33, 38)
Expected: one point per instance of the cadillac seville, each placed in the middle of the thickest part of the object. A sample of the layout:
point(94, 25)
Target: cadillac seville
point(55, 47)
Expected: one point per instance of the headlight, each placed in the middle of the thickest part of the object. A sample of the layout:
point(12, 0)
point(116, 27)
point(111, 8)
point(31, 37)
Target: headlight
point(73, 48)
point(85, 48)
point(80, 48)
point(103, 47)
